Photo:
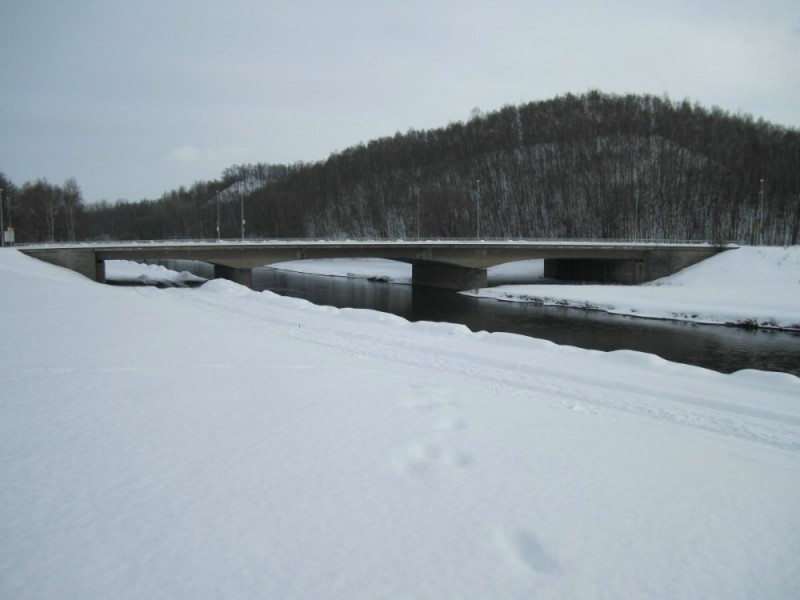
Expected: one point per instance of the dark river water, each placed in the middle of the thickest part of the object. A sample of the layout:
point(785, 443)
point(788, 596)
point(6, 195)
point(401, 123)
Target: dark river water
point(725, 349)
point(721, 348)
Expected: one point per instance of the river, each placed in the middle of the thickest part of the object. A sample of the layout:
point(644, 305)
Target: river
point(721, 348)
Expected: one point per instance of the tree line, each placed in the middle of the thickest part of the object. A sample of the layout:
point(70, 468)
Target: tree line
point(577, 166)
point(41, 211)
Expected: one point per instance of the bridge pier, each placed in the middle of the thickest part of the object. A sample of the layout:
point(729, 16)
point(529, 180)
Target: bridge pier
point(241, 276)
point(448, 277)
point(100, 271)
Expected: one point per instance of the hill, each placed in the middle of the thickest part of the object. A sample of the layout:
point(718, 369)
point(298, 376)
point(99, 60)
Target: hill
point(589, 166)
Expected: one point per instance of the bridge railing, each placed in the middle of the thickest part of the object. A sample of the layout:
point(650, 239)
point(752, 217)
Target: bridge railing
point(344, 240)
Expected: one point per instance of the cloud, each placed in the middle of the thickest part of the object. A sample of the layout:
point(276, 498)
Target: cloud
point(101, 88)
point(207, 154)
point(183, 154)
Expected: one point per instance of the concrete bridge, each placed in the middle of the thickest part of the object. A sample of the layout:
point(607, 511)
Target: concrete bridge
point(453, 265)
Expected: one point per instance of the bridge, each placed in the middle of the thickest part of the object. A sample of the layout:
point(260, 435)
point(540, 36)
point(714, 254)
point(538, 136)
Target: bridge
point(456, 265)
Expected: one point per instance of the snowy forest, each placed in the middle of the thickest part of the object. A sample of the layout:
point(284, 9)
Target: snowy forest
point(594, 166)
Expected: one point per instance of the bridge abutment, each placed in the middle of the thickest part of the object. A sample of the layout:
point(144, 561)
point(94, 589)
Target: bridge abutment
point(651, 265)
point(80, 260)
point(448, 277)
point(661, 264)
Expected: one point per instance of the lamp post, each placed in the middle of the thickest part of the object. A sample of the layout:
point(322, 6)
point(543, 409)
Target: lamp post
point(241, 198)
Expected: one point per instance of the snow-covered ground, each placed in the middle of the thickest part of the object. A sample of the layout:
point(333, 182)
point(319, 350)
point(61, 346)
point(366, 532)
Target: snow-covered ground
point(218, 442)
point(133, 273)
point(391, 271)
point(754, 286)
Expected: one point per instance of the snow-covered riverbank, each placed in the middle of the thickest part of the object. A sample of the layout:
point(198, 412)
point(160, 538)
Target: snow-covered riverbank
point(749, 286)
point(126, 272)
point(219, 442)
point(391, 271)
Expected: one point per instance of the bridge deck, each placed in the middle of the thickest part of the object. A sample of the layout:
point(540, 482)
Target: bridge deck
point(608, 261)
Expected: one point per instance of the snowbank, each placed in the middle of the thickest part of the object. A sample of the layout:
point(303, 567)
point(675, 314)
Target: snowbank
point(126, 272)
point(219, 442)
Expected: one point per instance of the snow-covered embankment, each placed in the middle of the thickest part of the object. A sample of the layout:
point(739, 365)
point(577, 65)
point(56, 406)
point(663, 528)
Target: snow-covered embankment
point(219, 442)
point(748, 286)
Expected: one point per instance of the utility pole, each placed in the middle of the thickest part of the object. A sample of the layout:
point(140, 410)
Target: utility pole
point(761, 213)
point(2, 225)
point(478, 202)
point(241, 198)
point(218, 238)
point(416, 190)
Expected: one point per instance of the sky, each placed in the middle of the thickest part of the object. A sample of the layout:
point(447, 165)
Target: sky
point(134, 99)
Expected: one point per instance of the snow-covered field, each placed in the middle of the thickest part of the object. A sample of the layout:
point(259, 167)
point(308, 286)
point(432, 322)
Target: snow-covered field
point(222, 443)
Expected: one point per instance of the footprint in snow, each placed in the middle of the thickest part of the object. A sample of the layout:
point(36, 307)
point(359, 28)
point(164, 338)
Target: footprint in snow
point(451, 424)
point(432, 397)
point(423, 460)
point(580, 407)
point(524, 550)
point(431, 454)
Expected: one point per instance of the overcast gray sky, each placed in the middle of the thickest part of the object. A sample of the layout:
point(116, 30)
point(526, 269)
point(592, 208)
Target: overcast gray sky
point(137, 97)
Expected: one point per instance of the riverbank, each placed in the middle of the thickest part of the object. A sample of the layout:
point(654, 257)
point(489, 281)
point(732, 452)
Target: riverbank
point(390, 271)
point(219, 442)
point(126, 272)
point(752, 286)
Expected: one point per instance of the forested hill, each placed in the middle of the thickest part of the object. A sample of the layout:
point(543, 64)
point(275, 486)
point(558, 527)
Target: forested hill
point(590, 166)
